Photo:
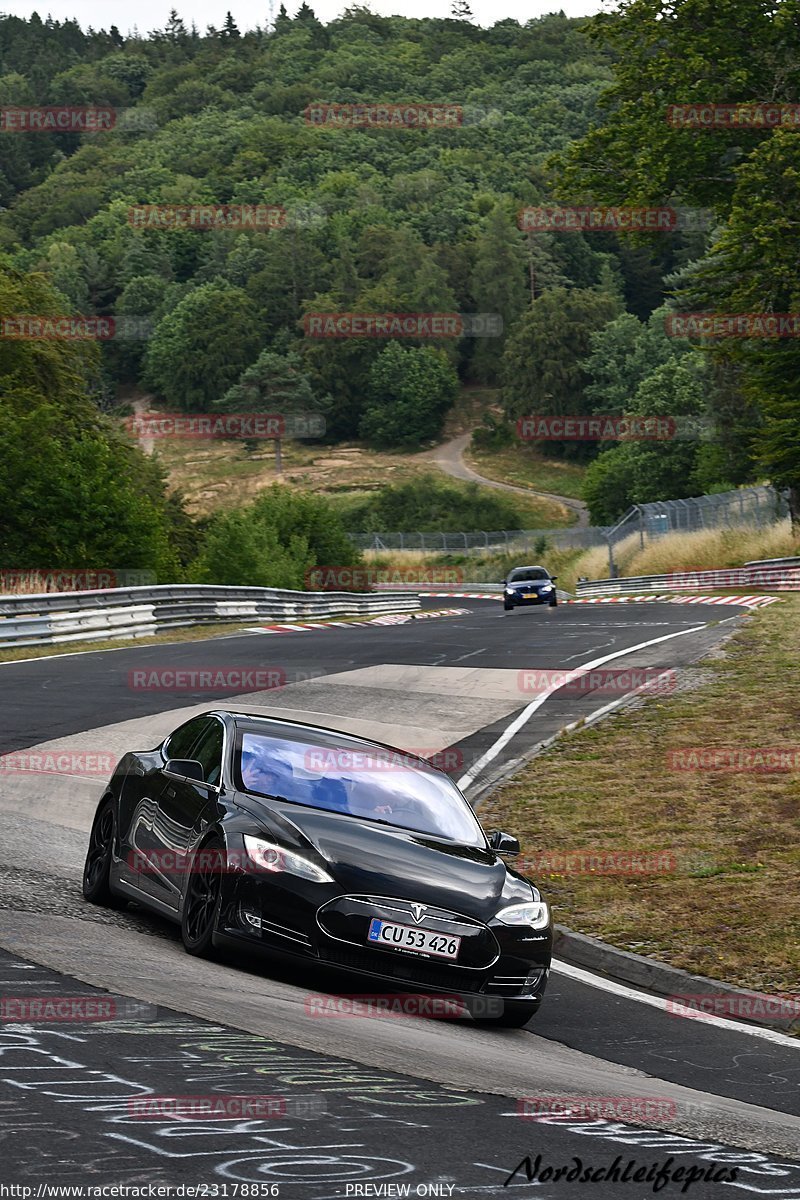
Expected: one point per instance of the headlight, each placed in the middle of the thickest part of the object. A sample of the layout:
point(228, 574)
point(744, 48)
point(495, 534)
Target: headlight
point(509, 591)
point(269, 857)
point(535, 915)
point(548, 587)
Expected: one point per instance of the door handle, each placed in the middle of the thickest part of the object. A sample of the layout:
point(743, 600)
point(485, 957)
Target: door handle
point(170, 791)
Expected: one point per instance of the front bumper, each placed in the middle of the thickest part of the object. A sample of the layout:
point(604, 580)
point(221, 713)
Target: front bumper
point(522, 600)
point(494, 960)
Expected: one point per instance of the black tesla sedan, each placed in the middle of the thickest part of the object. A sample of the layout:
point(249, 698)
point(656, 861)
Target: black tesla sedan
point(529, 585)
point(274, 835)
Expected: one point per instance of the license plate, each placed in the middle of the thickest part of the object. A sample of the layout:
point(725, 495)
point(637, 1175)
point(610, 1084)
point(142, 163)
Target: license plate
point(530, 596)
point(411, 937)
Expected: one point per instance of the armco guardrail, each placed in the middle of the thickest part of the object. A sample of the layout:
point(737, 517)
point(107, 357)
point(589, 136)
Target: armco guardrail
point(53, 617)
point(773, 562)
point(774, 574)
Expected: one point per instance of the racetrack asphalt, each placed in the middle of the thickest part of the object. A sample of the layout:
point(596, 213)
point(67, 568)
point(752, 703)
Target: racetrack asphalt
point(451, 683)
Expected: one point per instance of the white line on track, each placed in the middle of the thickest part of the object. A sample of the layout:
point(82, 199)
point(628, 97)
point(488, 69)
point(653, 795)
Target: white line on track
point(629, 993)
point(511, 730)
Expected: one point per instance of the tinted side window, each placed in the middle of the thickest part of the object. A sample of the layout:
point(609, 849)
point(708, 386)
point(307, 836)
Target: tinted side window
point(208, 751)
point(181, 741)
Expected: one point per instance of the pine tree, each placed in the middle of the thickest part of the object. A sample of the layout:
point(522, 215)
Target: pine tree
point(230, 29)
point(175, 29)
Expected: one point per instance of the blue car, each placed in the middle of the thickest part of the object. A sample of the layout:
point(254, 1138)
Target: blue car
point(529, 585)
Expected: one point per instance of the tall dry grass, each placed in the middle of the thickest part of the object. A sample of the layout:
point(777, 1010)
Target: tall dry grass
point(703, 550)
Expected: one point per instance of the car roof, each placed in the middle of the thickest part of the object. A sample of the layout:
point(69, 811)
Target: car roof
point(327, 735)
point(531, 567)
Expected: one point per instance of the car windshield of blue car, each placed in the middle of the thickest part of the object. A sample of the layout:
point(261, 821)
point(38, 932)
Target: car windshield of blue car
point(528, 573)
point(370, 783)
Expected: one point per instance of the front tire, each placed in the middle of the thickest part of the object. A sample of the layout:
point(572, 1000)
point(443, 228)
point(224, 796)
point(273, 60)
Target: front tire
point(507, 606)
point(203, 900)
point(554, 603)
point(97, 868)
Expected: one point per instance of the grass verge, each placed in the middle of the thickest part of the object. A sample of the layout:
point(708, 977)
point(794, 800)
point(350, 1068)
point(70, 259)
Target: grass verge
point(520, 465)
point(730, 908)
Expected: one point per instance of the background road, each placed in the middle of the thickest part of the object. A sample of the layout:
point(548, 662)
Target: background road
point(449, 457)
point(427, 685)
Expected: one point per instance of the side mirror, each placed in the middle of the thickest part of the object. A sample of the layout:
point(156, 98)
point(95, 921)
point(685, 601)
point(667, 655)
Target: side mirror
point(185, 768)
point(504, 582)
point(503, 843)
point(553, 578)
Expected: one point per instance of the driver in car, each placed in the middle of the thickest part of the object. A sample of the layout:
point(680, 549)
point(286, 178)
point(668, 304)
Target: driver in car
point(259, 775)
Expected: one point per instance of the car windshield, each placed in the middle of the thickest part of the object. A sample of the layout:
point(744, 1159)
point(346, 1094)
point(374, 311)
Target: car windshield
point(360, 781)
point(528, 573)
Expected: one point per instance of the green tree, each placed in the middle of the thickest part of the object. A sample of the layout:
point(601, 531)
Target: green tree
point(72, 494)
point(200, 349)
point(275, 382)
point(637, 472)
point(745, 52)
point(409, 392)
point(543, 371)
point(431, 505)
point(230, 30)
point(674, 52)
point(274, 542)
point(622, 356)
point(498, 285)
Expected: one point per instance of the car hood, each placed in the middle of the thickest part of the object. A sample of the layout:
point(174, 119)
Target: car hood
point(366, 858)
point(529, 585)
